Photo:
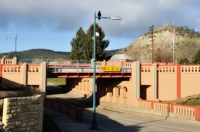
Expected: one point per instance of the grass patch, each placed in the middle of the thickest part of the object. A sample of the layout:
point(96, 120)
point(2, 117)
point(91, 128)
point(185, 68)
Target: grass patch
point(192, 103)
point(57, 81)
point(192, 100)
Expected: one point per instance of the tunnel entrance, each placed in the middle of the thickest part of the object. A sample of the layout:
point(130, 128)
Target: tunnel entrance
point(143, 91)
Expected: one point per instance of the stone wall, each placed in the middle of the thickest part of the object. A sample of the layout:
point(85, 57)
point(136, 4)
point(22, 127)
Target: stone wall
point(23, 114)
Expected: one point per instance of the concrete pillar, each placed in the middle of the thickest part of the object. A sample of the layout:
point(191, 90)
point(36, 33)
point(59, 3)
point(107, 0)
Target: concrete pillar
point(3, 60)
point(44, 77)
point(123, 91)
point(136, 77)
point(115, 91)
point(24, 74)
point(155, 80)
point(14, 60)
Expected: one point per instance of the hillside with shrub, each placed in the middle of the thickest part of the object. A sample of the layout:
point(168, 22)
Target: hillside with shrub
point(186, 45)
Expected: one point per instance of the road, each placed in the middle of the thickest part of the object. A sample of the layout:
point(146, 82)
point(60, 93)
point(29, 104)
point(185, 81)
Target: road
point(113, 121)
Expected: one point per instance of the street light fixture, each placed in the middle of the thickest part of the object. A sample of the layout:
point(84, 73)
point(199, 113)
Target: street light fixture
point(94, 123)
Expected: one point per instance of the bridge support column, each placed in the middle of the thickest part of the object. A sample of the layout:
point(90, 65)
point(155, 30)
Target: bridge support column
point(44, 77)
point(24, 74)
point(155, 80)
point(136, 77)
point(14, 60)
point(3, 60)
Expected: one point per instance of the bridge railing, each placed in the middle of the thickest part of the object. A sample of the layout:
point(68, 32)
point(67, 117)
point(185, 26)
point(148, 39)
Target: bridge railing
point(174, 110)
point(64, 65)
point(78, 68)
point(35, 61)
point(54, 61)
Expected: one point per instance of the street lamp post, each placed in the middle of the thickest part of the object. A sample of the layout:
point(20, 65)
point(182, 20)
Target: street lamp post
point(94, 122)
point(15, 45)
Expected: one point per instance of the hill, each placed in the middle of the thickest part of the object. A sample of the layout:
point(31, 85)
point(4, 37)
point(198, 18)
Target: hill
point(37, 53)
point(45, 54)
point(187, 41)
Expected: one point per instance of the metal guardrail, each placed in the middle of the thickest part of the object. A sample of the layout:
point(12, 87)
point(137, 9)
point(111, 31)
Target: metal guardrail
point(53, 61)
point(80, 69)
point(64, 65)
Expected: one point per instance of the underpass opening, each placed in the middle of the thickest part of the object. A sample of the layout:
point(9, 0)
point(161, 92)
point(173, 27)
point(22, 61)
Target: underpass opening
point(144, 91)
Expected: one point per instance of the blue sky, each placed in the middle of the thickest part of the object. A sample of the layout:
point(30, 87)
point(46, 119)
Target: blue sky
point(51, 24)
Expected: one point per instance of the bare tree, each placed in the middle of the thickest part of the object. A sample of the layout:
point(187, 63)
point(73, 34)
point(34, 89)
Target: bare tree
point(135, 51)
point(162, 55)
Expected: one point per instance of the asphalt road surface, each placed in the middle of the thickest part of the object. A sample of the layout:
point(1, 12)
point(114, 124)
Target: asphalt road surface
point(113, 121)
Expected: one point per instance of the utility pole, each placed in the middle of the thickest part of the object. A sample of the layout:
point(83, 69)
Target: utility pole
point(151, 32)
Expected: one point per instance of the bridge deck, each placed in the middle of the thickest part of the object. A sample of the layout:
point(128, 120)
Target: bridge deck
point(70, 71)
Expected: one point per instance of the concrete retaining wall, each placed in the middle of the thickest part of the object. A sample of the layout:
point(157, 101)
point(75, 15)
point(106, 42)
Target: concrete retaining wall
point(24, 74)
point(23, 113)
point(125, 108)
point(149, 111)
point(72, 111)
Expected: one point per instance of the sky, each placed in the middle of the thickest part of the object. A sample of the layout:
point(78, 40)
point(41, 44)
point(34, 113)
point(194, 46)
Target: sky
point(52, 24)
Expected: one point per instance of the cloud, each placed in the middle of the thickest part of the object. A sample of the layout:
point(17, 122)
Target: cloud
point(65, 15)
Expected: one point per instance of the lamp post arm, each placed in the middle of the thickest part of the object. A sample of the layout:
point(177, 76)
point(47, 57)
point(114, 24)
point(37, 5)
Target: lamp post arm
point(104, 17)
point(112, 18)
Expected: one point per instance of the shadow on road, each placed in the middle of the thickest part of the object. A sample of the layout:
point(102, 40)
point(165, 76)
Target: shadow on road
point(103, 122)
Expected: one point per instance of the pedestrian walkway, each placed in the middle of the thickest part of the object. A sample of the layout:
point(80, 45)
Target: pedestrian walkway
point(66, 123)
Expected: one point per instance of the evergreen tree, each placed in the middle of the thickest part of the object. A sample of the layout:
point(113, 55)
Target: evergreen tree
point(88, 45)
point(184, 61)
point(77, 44)
point(197, 57)
point(101, 44)
point(82, 44)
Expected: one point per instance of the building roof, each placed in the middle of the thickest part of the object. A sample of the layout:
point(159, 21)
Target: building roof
point(121, 57)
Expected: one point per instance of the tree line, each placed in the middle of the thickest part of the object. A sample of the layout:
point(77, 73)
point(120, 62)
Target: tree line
point(45, 54)
point(37, 54)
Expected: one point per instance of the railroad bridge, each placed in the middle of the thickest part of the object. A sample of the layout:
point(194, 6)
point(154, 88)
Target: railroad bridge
point(117, 82)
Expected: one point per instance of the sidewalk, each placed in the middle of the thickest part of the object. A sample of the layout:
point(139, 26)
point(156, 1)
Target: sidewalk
point(66, 123)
